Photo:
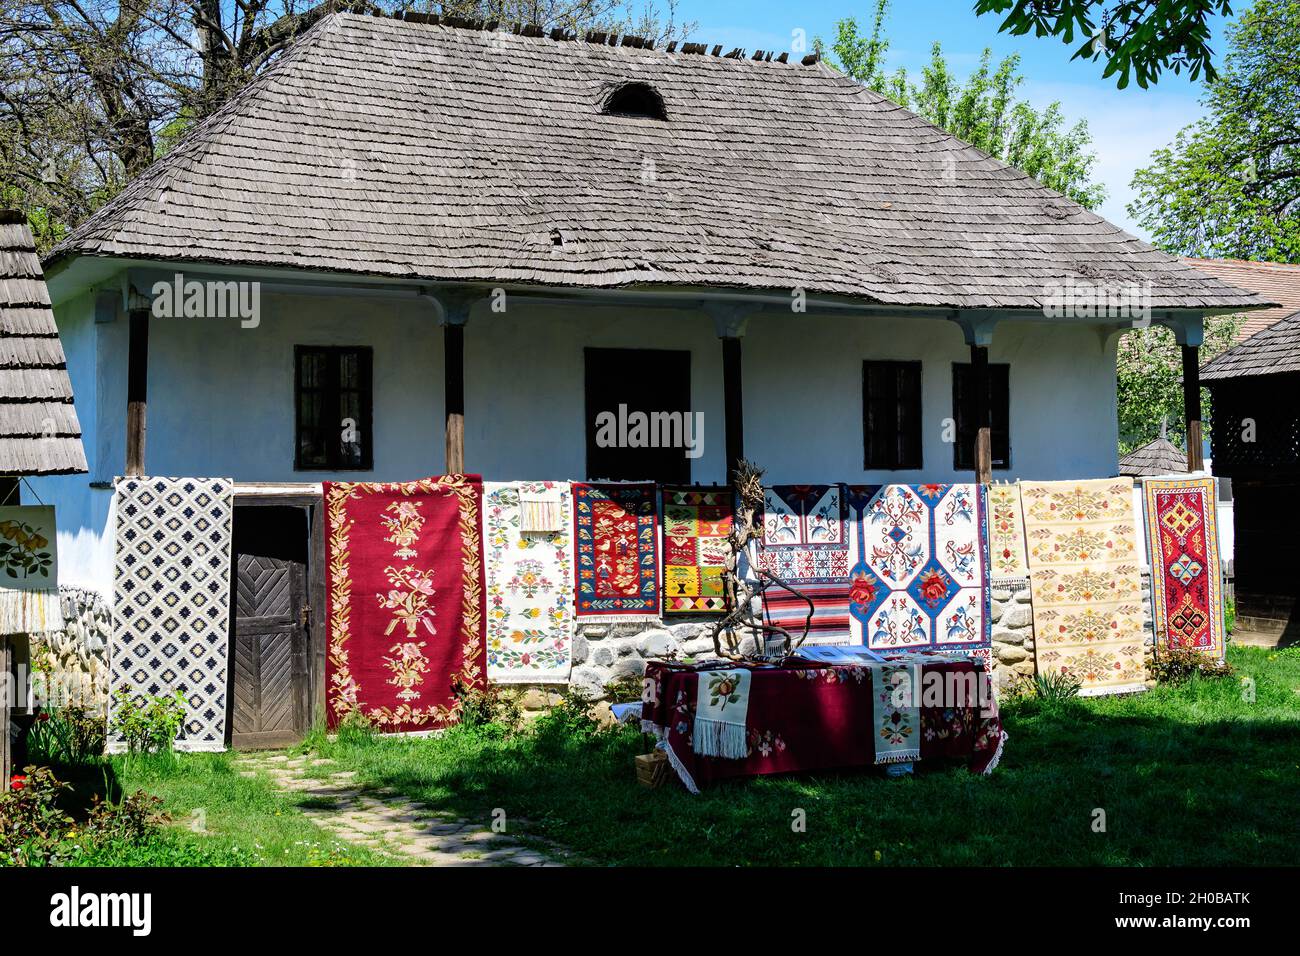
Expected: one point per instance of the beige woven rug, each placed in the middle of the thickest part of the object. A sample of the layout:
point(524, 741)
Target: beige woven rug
point(1085, 582)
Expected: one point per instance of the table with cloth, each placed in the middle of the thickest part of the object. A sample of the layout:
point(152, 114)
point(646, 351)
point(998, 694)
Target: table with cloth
point(804, 716)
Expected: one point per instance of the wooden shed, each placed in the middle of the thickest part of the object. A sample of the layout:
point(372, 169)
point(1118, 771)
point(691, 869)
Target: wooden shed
point(1256, 442)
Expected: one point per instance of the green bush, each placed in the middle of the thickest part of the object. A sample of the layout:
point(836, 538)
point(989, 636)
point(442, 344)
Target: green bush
point(625, 690)
point(1178, 665)
point(71, 735)
point(491, 706)
point(33, 828)
point(148, 723)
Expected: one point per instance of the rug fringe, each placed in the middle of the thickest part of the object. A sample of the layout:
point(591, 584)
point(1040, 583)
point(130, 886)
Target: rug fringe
point(898, 756)
point(618, 619)
point(30, 612)
point(997, 754)
point(719, 738)
point(1107, 691)
point(678, 767)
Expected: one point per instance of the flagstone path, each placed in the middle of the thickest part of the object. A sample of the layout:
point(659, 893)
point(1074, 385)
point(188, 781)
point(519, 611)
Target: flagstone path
point(387, 822)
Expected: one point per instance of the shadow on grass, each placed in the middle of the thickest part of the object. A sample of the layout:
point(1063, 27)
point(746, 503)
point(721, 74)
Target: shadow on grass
point(1078, 784)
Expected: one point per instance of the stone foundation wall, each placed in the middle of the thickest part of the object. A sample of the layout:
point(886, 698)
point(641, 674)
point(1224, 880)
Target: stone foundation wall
point(75, 660)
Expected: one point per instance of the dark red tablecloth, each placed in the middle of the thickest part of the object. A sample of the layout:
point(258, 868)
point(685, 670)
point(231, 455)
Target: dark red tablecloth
point(811, 717)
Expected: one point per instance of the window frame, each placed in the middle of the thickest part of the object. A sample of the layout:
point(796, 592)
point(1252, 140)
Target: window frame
point(898, 461)
point(366, 394)
point(965, 444)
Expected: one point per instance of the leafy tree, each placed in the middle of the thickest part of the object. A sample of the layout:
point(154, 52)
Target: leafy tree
point(1148, 380)
point(1229, 185)
point(1137, 37)
point(93, 91)
point(982, 109)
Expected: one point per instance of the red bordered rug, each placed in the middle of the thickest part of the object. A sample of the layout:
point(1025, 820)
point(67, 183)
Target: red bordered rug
point(404, 575)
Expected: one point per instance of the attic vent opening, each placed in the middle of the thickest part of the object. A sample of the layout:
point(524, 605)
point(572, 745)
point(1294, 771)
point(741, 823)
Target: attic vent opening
point(635, 99)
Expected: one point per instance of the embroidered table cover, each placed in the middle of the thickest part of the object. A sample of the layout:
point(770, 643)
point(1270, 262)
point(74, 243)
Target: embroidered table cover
point(919, 577)
point(808, 717)
point(1186, 584)
point(404, 575)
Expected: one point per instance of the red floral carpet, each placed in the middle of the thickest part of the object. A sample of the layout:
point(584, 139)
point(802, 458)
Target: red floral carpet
point(404, 575)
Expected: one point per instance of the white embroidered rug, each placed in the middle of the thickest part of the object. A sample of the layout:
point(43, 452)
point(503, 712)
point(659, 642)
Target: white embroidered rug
point(29, 584)
point(171, 600)
point(529, 584)
point(896, 712)
point(721, 706)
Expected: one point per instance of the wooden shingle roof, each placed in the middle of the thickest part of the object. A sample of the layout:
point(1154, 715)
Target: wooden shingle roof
point(39, 432)
point(1159, 457)
point(1276, 281)
point(435, 153)
point(1274, 351)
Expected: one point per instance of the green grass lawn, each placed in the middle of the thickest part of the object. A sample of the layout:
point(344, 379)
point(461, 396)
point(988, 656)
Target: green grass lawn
point(219, 818)
point(1187, 775)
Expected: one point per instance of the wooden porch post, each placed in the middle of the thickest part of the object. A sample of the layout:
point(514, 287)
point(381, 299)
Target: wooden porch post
point(137, 387)
point(979, 410)
point(729, 321)
point(1192, 406)
point(978, 330)
point(453, 344)
point(454, 309)
point(733, 408)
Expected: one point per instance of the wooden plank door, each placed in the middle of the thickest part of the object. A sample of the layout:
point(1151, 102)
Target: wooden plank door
point(269, 667)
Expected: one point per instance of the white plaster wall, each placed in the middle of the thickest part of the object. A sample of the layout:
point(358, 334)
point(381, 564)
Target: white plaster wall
point(803, 396)
point(221, 397)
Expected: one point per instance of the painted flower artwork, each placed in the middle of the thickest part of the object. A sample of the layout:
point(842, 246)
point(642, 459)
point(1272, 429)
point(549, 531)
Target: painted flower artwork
point(23, 552)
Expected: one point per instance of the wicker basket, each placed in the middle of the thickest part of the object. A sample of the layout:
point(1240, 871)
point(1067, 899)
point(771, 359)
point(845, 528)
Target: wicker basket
point(652, 769)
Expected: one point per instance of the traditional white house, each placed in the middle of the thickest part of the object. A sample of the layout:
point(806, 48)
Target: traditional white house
point(413, 247)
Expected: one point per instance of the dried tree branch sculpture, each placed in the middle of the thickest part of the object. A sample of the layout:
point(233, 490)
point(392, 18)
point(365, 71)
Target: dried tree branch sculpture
point(742, 620)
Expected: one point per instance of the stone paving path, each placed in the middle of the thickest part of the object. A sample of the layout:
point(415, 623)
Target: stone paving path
point(387, 822)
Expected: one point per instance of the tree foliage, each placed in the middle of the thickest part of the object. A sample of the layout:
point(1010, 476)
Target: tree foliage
point(1229, 185)
point(93, 91)
point(982, 109)
point(1137, 39)
point(1148, 381)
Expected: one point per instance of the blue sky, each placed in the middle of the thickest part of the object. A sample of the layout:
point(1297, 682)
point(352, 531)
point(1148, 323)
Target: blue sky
point(1126, 124)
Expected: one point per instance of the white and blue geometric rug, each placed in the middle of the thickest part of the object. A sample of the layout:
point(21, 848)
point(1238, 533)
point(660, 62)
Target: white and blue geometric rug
point(171, 601)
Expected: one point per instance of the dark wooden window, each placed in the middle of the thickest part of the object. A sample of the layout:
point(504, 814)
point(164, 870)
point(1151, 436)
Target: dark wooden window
point(644, 380)
point(891, 415)
point(963, 453)
point(334, 408)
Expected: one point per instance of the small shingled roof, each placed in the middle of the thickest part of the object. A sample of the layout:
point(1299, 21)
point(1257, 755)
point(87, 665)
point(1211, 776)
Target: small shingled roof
point(1276, 281)
point(433, 153)
point(1159, 457)
point(39, 431)
point(1274, 351)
